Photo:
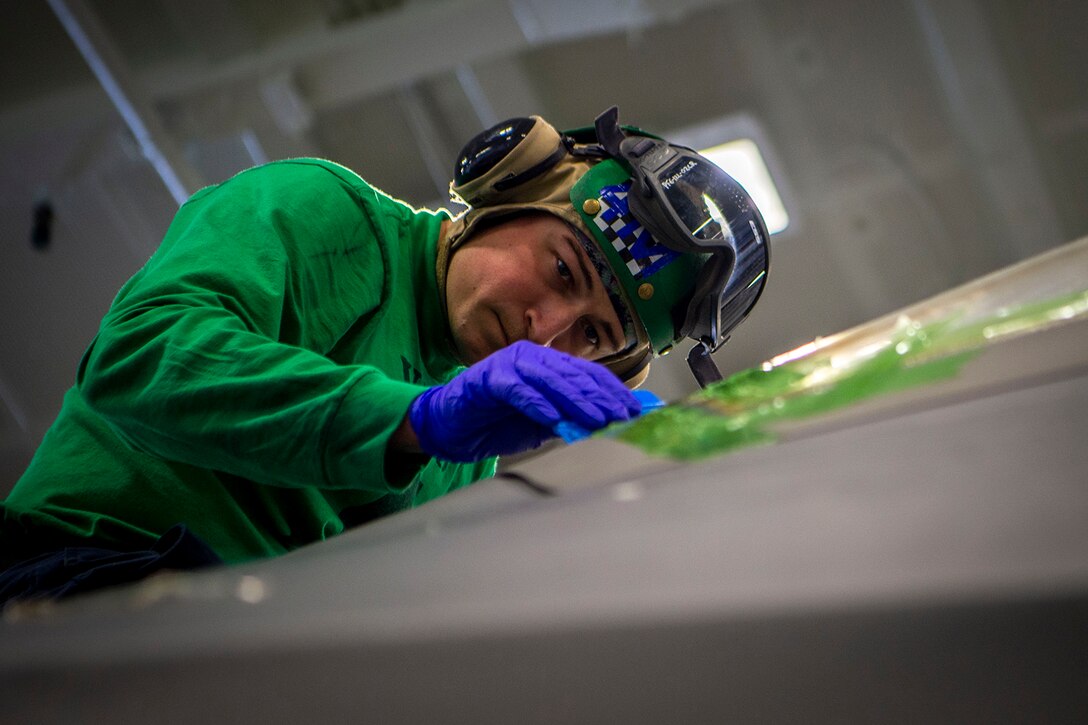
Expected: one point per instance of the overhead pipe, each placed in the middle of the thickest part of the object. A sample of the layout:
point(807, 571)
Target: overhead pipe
point(106, 64)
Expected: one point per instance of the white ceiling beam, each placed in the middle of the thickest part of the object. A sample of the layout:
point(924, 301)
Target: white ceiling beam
point(112, 72)
point(986, 118)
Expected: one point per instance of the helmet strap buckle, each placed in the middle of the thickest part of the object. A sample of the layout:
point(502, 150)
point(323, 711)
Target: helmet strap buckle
point(609, 133)
point(702, 365)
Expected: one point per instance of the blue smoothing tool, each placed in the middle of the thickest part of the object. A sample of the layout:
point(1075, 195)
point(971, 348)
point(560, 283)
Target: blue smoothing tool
point(571, 432)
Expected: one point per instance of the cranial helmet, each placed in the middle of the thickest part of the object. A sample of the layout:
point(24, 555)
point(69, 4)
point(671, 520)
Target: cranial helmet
point(678, 243)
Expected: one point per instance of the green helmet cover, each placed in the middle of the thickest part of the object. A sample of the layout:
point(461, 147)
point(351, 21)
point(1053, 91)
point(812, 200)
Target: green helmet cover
point(660, 296)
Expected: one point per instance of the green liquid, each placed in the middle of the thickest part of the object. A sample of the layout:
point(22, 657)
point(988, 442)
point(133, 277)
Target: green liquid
point(742, 410)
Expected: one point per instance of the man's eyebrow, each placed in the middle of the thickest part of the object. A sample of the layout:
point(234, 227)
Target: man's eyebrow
point(579, 254)
point(591, 280)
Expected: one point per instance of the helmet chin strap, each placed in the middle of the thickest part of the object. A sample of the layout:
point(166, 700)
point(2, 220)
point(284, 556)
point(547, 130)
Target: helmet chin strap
point(702, 365)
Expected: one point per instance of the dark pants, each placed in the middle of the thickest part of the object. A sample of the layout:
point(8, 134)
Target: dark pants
point(79, 569)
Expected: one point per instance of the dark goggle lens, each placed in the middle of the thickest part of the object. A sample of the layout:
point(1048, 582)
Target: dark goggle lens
point(712, 207)
point(701, 194)
point(489, 147)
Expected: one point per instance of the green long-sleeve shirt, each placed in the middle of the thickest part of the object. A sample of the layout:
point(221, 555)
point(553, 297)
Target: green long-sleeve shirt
point(246, 381)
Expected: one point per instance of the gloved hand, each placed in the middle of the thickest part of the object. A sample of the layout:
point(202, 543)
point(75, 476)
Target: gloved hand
point(510, 401)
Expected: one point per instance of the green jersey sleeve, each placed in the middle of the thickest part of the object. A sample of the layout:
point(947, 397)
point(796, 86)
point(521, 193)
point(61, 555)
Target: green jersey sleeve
point(216, 354)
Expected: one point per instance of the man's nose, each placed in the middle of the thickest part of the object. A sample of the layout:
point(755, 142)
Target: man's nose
point(550, 323)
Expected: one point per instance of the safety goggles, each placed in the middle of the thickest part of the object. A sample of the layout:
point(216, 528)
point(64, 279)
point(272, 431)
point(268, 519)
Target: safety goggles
point(690, 205)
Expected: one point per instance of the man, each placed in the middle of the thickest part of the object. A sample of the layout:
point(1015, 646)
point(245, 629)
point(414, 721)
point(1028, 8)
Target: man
point(289, 363)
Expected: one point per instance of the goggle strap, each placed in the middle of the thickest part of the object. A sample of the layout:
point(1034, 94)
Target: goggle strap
point(532, 172)
point(585, 151)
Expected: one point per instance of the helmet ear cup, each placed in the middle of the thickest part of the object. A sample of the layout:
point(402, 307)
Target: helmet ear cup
point(495, 164)
point(488, 148)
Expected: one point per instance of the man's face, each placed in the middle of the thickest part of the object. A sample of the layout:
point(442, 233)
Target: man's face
point(528, 279)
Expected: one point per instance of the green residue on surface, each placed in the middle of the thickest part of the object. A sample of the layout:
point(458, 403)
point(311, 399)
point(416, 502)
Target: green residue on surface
point(742, 410)
point(738, 412)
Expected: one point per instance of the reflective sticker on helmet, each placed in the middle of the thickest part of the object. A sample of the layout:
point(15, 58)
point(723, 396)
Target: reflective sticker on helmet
point(640, 253)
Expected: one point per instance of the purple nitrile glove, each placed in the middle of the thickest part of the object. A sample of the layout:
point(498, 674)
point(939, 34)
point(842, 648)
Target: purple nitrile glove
point(511, 400)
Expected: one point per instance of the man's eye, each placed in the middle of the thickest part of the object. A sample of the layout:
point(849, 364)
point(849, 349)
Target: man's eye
point(564, 270)
point(591, 334)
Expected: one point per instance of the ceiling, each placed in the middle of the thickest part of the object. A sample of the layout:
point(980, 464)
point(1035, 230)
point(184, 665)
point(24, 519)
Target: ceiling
point(917, 143)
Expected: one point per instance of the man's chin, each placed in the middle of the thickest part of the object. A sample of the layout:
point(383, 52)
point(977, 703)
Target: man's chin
point(475, 348)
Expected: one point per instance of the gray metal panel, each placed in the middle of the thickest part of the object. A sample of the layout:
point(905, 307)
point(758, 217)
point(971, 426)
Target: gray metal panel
point(932, 566)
